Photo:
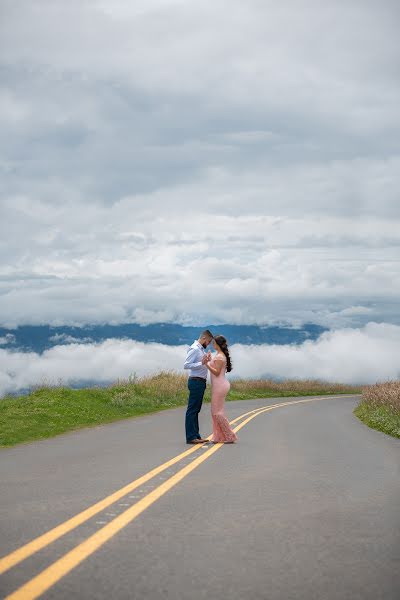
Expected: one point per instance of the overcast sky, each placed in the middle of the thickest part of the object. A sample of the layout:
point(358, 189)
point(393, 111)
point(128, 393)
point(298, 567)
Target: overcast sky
point(200, 162)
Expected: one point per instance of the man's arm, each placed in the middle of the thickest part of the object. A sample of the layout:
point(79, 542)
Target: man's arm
point(192, 359)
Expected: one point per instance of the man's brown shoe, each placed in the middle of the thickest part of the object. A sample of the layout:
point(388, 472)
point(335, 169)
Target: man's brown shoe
point(195, 441)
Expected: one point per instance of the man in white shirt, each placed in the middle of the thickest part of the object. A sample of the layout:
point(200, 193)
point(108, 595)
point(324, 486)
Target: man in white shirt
point(196, 360)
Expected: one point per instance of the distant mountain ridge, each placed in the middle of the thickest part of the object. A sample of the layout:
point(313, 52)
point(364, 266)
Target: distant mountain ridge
point(38, 338)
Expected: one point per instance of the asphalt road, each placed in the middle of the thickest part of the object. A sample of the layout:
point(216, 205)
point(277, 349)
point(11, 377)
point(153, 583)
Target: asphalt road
point(305, 506)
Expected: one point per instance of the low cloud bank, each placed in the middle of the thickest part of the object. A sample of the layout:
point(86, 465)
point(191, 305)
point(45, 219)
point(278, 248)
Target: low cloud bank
point(363, 355)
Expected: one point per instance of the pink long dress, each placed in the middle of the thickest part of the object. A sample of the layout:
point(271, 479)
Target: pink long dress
point(220, 386)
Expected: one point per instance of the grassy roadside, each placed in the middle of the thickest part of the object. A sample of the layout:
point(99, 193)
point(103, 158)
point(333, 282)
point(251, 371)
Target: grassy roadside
point(50, 410)
point(379, 407)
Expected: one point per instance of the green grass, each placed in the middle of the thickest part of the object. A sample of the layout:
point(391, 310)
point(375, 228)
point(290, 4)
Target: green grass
point(379, 407)
point(50, 410)
point(379, 417)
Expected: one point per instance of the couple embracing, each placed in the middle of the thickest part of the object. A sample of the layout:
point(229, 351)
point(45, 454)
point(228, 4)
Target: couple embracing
point(199, 362)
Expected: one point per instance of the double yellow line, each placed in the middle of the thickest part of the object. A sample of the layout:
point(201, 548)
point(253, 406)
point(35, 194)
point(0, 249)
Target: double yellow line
point(49, 576)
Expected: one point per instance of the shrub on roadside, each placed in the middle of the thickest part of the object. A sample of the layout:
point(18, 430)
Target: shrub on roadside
point(169, 388)
point(379, 407)
point(299, 386)
point(383, 394)
point(166, 388)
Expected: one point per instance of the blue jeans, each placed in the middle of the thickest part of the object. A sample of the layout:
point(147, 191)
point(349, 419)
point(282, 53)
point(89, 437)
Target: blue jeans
point(196, 395)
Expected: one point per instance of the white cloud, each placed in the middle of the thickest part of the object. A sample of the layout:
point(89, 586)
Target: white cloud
point(9, 338)
point(64, 338)
point(362, 355)
point(348, 355)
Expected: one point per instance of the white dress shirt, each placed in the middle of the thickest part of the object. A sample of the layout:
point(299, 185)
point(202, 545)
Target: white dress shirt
point(194, 361)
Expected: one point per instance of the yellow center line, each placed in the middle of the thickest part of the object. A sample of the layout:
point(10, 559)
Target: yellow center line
point(20, 554)
point(36, 586)
point(253, 411)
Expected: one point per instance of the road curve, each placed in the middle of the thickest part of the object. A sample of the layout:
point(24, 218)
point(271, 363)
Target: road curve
point(306, 505)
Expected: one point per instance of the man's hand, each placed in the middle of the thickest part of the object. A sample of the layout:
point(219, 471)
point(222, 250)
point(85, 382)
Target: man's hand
point(205, 359)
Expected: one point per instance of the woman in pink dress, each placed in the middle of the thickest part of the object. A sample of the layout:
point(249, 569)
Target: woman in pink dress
point(218, 366)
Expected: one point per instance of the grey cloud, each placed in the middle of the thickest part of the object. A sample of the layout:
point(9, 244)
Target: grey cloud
point(332, 241)
point(166, 110)
point(251, 148)
point(112, 265)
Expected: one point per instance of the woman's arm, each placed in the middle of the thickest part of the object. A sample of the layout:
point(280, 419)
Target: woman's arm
point(219, 363)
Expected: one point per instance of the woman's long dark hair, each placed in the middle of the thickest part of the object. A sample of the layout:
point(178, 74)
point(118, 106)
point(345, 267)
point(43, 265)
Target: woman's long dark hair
point(222, 343)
